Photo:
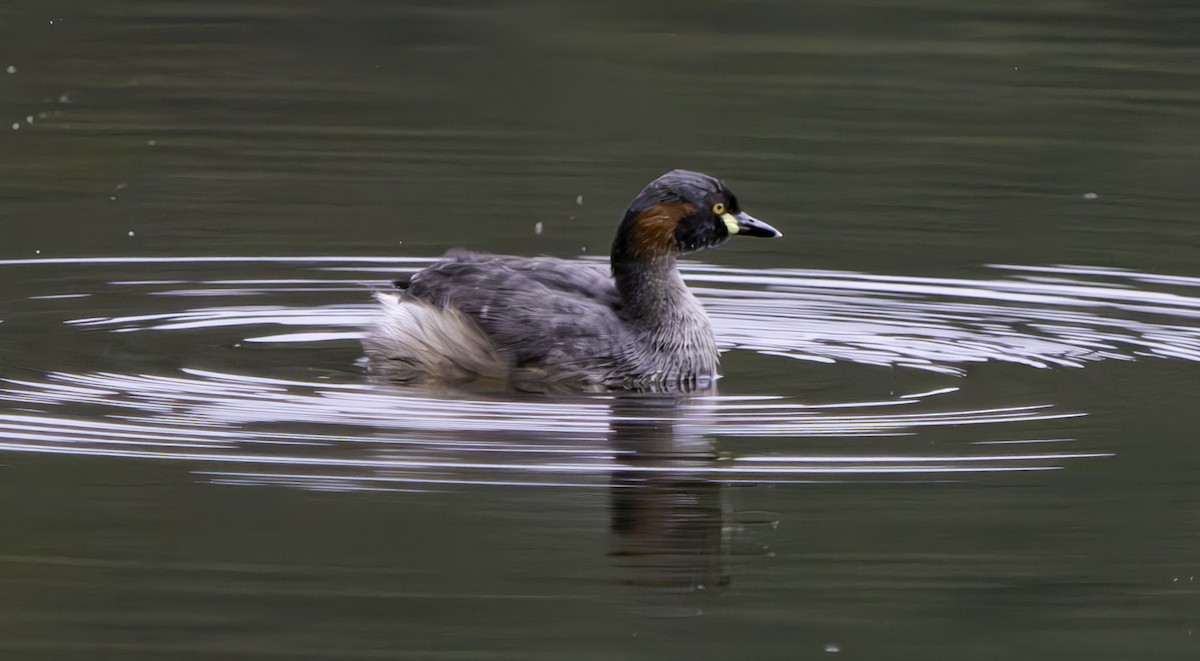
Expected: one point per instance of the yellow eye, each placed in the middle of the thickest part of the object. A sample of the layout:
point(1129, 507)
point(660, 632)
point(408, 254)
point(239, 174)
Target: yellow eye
point(719, 208)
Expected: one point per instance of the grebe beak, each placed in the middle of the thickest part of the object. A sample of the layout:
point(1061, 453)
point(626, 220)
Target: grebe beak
point(746, 225)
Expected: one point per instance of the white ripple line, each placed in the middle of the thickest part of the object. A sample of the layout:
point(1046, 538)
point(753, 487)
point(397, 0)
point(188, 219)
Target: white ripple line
point(203, 260)
point(535, 468)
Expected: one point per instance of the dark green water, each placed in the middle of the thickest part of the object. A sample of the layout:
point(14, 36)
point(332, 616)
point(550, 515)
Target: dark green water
point(958, 414)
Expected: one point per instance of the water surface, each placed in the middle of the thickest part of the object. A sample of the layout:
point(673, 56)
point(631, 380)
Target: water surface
point(956, 416)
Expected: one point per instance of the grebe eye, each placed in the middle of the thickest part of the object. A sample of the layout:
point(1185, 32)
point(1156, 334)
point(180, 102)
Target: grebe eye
point(719, 208)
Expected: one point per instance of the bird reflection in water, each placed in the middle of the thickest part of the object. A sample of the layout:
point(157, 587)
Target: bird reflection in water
point(670, 518)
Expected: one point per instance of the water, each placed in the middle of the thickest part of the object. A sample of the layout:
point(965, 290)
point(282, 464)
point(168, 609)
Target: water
point(955, 419)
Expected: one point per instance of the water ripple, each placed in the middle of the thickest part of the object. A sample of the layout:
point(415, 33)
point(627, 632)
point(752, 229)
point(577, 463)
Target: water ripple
point(379, 436)
point(932, 324)
point(267, 426)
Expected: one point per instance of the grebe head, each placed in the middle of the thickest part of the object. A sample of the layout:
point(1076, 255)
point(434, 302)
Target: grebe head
point(681, 212)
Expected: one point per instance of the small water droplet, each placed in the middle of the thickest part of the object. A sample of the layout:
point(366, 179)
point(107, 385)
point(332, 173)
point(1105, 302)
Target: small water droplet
point(64, 98)
point(537, 229)
point(28, 119)
point(130, 232)
point(152, 142)
point(16, 126)
point(11, 69)
point(579, 200)
point(1090, 196)
point(37, 252)
point(583, 249)
point(833, 648)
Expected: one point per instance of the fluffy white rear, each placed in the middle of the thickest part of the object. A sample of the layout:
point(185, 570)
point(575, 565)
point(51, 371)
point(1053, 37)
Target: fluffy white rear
point(414, 340)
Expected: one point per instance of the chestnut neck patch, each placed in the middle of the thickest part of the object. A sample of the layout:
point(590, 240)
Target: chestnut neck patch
point(652, 233)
